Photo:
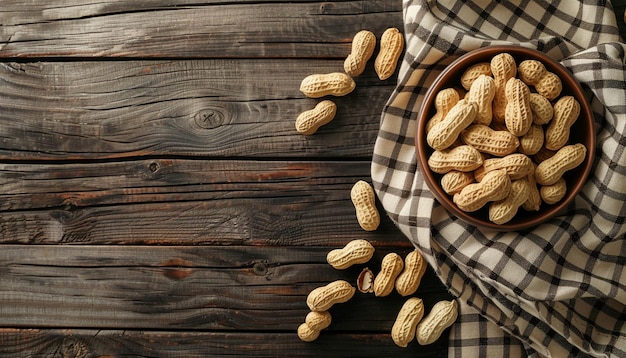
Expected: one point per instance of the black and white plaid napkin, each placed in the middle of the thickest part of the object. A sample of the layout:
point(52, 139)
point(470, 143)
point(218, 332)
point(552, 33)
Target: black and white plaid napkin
point(560, 289)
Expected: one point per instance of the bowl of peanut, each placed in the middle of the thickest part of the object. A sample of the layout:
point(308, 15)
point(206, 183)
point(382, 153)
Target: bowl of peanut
point(505, 138)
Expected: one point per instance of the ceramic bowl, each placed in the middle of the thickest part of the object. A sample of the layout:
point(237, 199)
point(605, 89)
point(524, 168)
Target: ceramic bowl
point(582, 131)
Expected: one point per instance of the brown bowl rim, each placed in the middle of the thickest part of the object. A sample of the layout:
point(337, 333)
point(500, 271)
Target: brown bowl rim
point(570, 86)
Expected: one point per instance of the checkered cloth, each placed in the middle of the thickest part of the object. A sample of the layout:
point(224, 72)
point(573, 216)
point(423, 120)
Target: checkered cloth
point(560, 289)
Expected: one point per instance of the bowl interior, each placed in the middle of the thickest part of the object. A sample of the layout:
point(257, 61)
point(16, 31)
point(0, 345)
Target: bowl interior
point(582, 131)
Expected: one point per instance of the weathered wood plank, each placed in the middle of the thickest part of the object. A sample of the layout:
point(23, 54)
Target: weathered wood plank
point(80, 343)
point(36, 186)
point(241, 222)
point(95, 110)
point(184, 287)
point(174, 201)
point(183, 28)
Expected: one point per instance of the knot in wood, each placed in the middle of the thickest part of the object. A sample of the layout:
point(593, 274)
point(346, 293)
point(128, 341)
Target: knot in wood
point(324, 7)
point(209, 118)
point(154, 167)
point(73, 347)
point(69, 205)
point(259, 268)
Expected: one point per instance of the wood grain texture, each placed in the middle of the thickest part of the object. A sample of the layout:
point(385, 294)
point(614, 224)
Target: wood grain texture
point(177, 201)
point(155, 198)
point(114, 109)
point(34, 186)
point(183, 28)
point(82, 343)
point(238, 288)
point(242, 222)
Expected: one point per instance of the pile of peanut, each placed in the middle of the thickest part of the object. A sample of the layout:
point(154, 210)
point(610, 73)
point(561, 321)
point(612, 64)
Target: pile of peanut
point(498, 143)
point(342, 83)
point(403, 275)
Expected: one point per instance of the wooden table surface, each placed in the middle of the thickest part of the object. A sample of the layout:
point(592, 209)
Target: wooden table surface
point(156, 200)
